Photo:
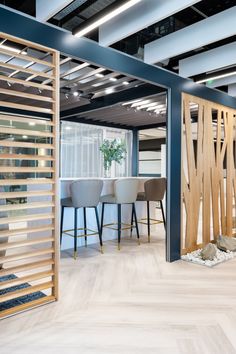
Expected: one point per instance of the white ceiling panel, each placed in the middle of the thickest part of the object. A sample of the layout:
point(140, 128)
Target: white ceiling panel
point(210, 30)
point(142, 15)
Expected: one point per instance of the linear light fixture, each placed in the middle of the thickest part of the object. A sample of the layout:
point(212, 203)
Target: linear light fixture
point(131, 102)
point(140, 103)
point(107, 17)
point(216, 77)
point(14, 50)
point(142, 106)
point(155, 107)
point(99, 75)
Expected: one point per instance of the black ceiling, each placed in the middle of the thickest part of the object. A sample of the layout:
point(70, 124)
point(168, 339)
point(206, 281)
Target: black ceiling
point(26, 6)
point(79, 12)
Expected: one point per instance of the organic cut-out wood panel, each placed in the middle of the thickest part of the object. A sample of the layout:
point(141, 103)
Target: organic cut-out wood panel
point(208, 172)
point(29, 120)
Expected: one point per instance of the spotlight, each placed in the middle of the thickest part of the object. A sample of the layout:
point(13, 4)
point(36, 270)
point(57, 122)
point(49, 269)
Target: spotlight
point(75, 93)
point(40, 91)
point(9, 84)
point(125, 83)
point(25, 136)
point(31, 123)
point(113, 79)
point(67, 96)
point(99, 75)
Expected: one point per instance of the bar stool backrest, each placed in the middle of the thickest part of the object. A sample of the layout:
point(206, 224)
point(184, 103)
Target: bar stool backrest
point(126, 190)
point(86, 193)
point(155, 189)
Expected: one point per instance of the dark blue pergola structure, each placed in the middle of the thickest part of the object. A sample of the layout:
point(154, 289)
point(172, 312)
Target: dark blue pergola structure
point(25, 27)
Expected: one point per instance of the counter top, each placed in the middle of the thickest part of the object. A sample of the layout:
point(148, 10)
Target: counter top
point(103, 178)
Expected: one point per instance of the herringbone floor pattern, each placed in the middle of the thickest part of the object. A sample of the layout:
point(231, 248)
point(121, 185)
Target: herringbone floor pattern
point(131, 302)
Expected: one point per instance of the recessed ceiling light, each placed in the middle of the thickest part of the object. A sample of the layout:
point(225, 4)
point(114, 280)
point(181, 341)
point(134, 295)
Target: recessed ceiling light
point(142, 106)
point(140, 103)
point(125, 83)
point(109, 90)
point(99, 75)
point(31, 123)
point(75, 93)
point(113, 79)
point(155, 107)
point(106, 18)
point(131, 102)
point(25, 136)
point(68, 128)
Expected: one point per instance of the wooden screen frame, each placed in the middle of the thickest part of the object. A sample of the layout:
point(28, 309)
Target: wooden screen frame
point(42, 269)
point(207, 194)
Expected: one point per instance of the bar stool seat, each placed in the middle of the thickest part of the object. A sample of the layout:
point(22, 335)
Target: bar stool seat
point(67, 202)
point(84, 194)
point(125, 192)
point(154, 191)
point(108, 198)
point(141, 197)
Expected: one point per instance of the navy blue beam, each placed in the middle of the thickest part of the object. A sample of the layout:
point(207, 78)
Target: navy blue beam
point(114, 98)
point(173, 195)
point(28, 28)
point(135, 153)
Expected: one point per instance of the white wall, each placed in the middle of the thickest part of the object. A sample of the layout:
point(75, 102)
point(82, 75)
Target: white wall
point(150, 162)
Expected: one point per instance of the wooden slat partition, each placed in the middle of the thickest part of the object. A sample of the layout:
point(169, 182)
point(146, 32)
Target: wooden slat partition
point(208, 172)
point(28, 176)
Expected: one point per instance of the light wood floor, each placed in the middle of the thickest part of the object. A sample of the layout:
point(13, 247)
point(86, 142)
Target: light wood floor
point(131, 302)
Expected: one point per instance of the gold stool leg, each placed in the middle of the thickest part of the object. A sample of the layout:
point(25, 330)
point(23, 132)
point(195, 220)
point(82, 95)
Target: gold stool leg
point(118, 246)
point(101, 249)
point(75, 255)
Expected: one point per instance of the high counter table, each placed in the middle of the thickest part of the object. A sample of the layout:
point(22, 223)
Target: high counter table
point(110, 215)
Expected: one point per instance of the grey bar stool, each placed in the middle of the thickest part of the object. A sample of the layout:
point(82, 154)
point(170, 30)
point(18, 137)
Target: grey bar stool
point(84, 194)
point(154, 191)
point(125, 192)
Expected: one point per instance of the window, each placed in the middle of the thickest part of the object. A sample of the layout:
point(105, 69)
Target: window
point(80, 154)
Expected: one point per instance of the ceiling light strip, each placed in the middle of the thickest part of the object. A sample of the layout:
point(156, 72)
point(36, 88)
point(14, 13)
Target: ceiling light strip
point(107, 18)
point(216, 77)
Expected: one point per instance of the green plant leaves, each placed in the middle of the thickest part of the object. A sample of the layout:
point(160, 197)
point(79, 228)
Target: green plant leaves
point(112, 150)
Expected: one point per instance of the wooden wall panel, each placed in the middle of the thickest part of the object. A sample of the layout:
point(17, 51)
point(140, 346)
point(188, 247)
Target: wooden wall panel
point(208, 176)
point(28, 173)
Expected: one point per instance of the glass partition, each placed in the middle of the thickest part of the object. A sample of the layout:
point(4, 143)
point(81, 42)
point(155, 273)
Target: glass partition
point(80, 150)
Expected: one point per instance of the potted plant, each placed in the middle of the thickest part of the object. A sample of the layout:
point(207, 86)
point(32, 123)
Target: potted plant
point(112, 150)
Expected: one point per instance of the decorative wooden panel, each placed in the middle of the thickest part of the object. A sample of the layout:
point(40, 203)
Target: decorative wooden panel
point(208, 172)
point(29, 114)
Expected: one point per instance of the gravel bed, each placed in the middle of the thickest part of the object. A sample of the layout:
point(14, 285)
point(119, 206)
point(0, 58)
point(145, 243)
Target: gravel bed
point(221, 256)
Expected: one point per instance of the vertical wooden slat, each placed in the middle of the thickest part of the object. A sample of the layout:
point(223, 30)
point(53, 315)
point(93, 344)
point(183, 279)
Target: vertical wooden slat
point(56, 110)
point(209, 182)
point(229, 176)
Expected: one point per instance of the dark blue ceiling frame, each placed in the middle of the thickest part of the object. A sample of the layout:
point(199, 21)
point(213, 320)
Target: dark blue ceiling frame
point(27, 28)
